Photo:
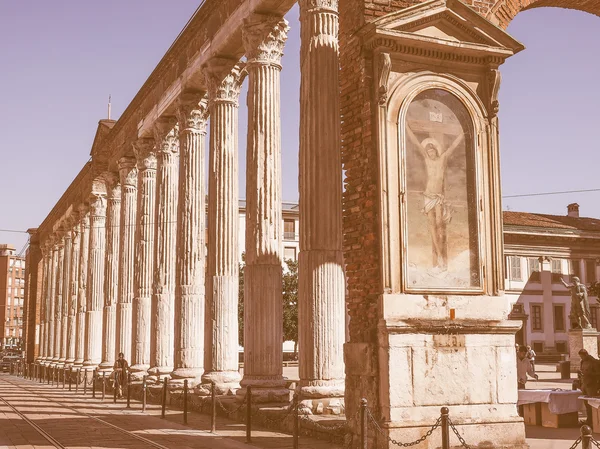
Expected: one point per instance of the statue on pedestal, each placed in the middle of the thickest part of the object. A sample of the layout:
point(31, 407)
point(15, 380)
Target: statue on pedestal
point(580, 307)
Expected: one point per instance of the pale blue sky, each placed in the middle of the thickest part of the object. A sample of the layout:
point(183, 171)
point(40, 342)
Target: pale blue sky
point(61, 59)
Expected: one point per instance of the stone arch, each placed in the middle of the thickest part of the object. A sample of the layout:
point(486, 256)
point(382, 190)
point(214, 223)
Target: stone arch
point(504, 11)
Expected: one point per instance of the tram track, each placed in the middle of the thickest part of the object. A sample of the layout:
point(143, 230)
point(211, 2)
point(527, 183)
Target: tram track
point(52, 440)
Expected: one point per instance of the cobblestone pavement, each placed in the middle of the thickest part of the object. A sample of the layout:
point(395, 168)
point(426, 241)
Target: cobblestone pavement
point(75, 421)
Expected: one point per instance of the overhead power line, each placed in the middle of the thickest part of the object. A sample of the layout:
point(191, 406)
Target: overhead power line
point(551, 193)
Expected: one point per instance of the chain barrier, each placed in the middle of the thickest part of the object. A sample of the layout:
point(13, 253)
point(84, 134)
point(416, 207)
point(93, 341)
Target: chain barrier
point(317, 425)
point(595, 443)
point(274, 421)
point(458, 435)
point(398, 443)
point(576, 443)
point(231, 412)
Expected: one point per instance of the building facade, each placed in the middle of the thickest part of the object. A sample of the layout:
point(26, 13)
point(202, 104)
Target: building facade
point(12, 294)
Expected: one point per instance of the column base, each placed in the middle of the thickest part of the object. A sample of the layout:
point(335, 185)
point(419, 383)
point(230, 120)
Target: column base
point(193, 376)
point(226, 383)
point(69, 363)
point(323, 397)
point(138, 371)
point(106, 367)
point(267, 389)
point(158, 373)
point(78, 363)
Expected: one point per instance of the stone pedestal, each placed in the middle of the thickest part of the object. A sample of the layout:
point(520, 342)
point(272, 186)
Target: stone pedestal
point(582, 339)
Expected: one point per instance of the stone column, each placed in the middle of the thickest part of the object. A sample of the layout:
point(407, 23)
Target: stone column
point(222, 289)
point(66, 293)
point(73, 293)
point(95, 290)
point(321, 283)
point(144, 254)
point(264, 38)
point(192, 112)
point(166, 134)
point(47, 258)
point(58, 300)
point(128, 176)
point(52, 306)
point(83, 285)
point(111, 272)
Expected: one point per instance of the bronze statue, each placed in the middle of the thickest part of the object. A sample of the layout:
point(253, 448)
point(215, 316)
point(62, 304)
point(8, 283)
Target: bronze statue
point(580, 307)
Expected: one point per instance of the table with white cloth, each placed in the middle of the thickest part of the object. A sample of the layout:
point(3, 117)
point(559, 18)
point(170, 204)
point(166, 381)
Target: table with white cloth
point(595, 404)
point(551, 408)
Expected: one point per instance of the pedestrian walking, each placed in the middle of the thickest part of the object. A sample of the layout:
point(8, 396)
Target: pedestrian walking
point(120, 368)
point(524, 368)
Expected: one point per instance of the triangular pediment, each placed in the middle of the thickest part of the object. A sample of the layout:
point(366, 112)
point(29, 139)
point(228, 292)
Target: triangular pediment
point(448, 22)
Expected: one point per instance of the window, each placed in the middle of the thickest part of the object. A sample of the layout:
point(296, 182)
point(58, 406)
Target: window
point(534, 268)
point(9, 281)
point(561, 346)
point(575, 268)
point(538, 346)
point(559, 317)
point(536, 317)
point(590, 271)
point(514, 263)
point(289, 253)
point(289, 229)
point(557, 265)
point(594, 317)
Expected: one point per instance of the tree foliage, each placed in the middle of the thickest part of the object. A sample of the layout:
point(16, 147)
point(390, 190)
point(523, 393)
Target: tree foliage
point(594, 290)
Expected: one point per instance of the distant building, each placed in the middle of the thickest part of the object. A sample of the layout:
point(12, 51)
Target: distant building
point(12, 293)
point(541, 249)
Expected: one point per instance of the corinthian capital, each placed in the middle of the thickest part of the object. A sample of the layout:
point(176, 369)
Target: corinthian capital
point(98, 204)
point(145, 153)
point(166, 135)
point(224, 83)
point(113, 187)
point(128, 172)
point(192, 111)
point(264, 37)
point(319, 5)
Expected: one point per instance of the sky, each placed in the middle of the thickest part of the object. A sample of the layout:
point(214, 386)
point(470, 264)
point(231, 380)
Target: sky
point(61, 59)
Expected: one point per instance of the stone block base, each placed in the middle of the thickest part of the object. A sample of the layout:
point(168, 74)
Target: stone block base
point(582, 339)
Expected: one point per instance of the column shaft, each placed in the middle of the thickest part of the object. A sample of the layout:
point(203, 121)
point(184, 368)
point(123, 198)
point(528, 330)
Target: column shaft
point(321, 286)
point(111, 273)
point(73, 293)
point(165, 226)
point(221, 355)
point(43, 313)
point(83, 285)
point(190, 263)
point(144, 250)
point(264, 37)
point(52, 305)
point(128, 176)
point(66, 295)
point(58, 300)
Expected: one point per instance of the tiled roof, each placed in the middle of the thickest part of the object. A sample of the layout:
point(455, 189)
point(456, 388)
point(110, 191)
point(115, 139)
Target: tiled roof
point(551, 221)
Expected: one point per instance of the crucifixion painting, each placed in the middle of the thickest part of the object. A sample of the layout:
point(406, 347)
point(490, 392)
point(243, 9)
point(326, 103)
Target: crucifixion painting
point(440, 187)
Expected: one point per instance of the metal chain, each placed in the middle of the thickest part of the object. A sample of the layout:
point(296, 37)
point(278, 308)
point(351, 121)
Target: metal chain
point(331, 429)
point(280, 420)
point(460, 438)
point(595, 443)
point(232, 411)
point(576, 443)
point(398, 443)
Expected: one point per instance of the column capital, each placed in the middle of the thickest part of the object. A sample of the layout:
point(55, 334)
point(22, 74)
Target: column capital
point(166, 135)
point(128, 171)
point(145, 153)
point(330, 6)
point(264, 37)
point(192, 111)
point(98, 204)
point(224, 83)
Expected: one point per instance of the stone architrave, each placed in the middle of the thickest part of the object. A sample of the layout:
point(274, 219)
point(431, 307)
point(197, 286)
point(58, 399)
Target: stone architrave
point(58, 300)
point(66, 293)
point(95, 290)
point(582, 339)
point(144, 255)
point(166, 134)
point(52, 306)
point(111, 271)
point(128, 175)
point(321, 283)
point(222, 286)
point(264, 37)
point(192, 111)
point(84, 236)
point(73, 293)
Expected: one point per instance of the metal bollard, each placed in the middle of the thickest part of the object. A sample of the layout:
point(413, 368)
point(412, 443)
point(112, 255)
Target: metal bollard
point(77, 380)
point(586, 437)
point(144, 394)
point(363, 423)
point(115, 387)
point(445, 428)
point(185, 401)
point(296, 421)
point(85, 381)
point(213, 411)
point(128, 390)
point(249, 414)
point(64, 377)
point(70, 378)
point(164, 399)
point(94, 384)
point(103, 384)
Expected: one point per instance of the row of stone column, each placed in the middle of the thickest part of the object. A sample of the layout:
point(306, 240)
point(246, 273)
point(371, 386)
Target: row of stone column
point(126, 273)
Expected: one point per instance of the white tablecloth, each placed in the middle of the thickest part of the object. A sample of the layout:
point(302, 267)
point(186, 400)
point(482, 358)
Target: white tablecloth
point(559, 401)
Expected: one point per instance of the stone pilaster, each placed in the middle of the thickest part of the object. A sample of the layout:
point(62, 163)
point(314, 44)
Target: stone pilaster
point(189, 289)
point(264, 38)
point(111, 271)
point(73, 293)
point(321, 286)
point(144, 254)
point(128, 175)
point(95, 290)
point(80, 329)
point(52, 306)
point(166, 135)
point(222, 286)
point(66, 293)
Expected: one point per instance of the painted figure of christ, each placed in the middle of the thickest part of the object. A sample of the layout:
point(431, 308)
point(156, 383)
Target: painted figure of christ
point(435, 208)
